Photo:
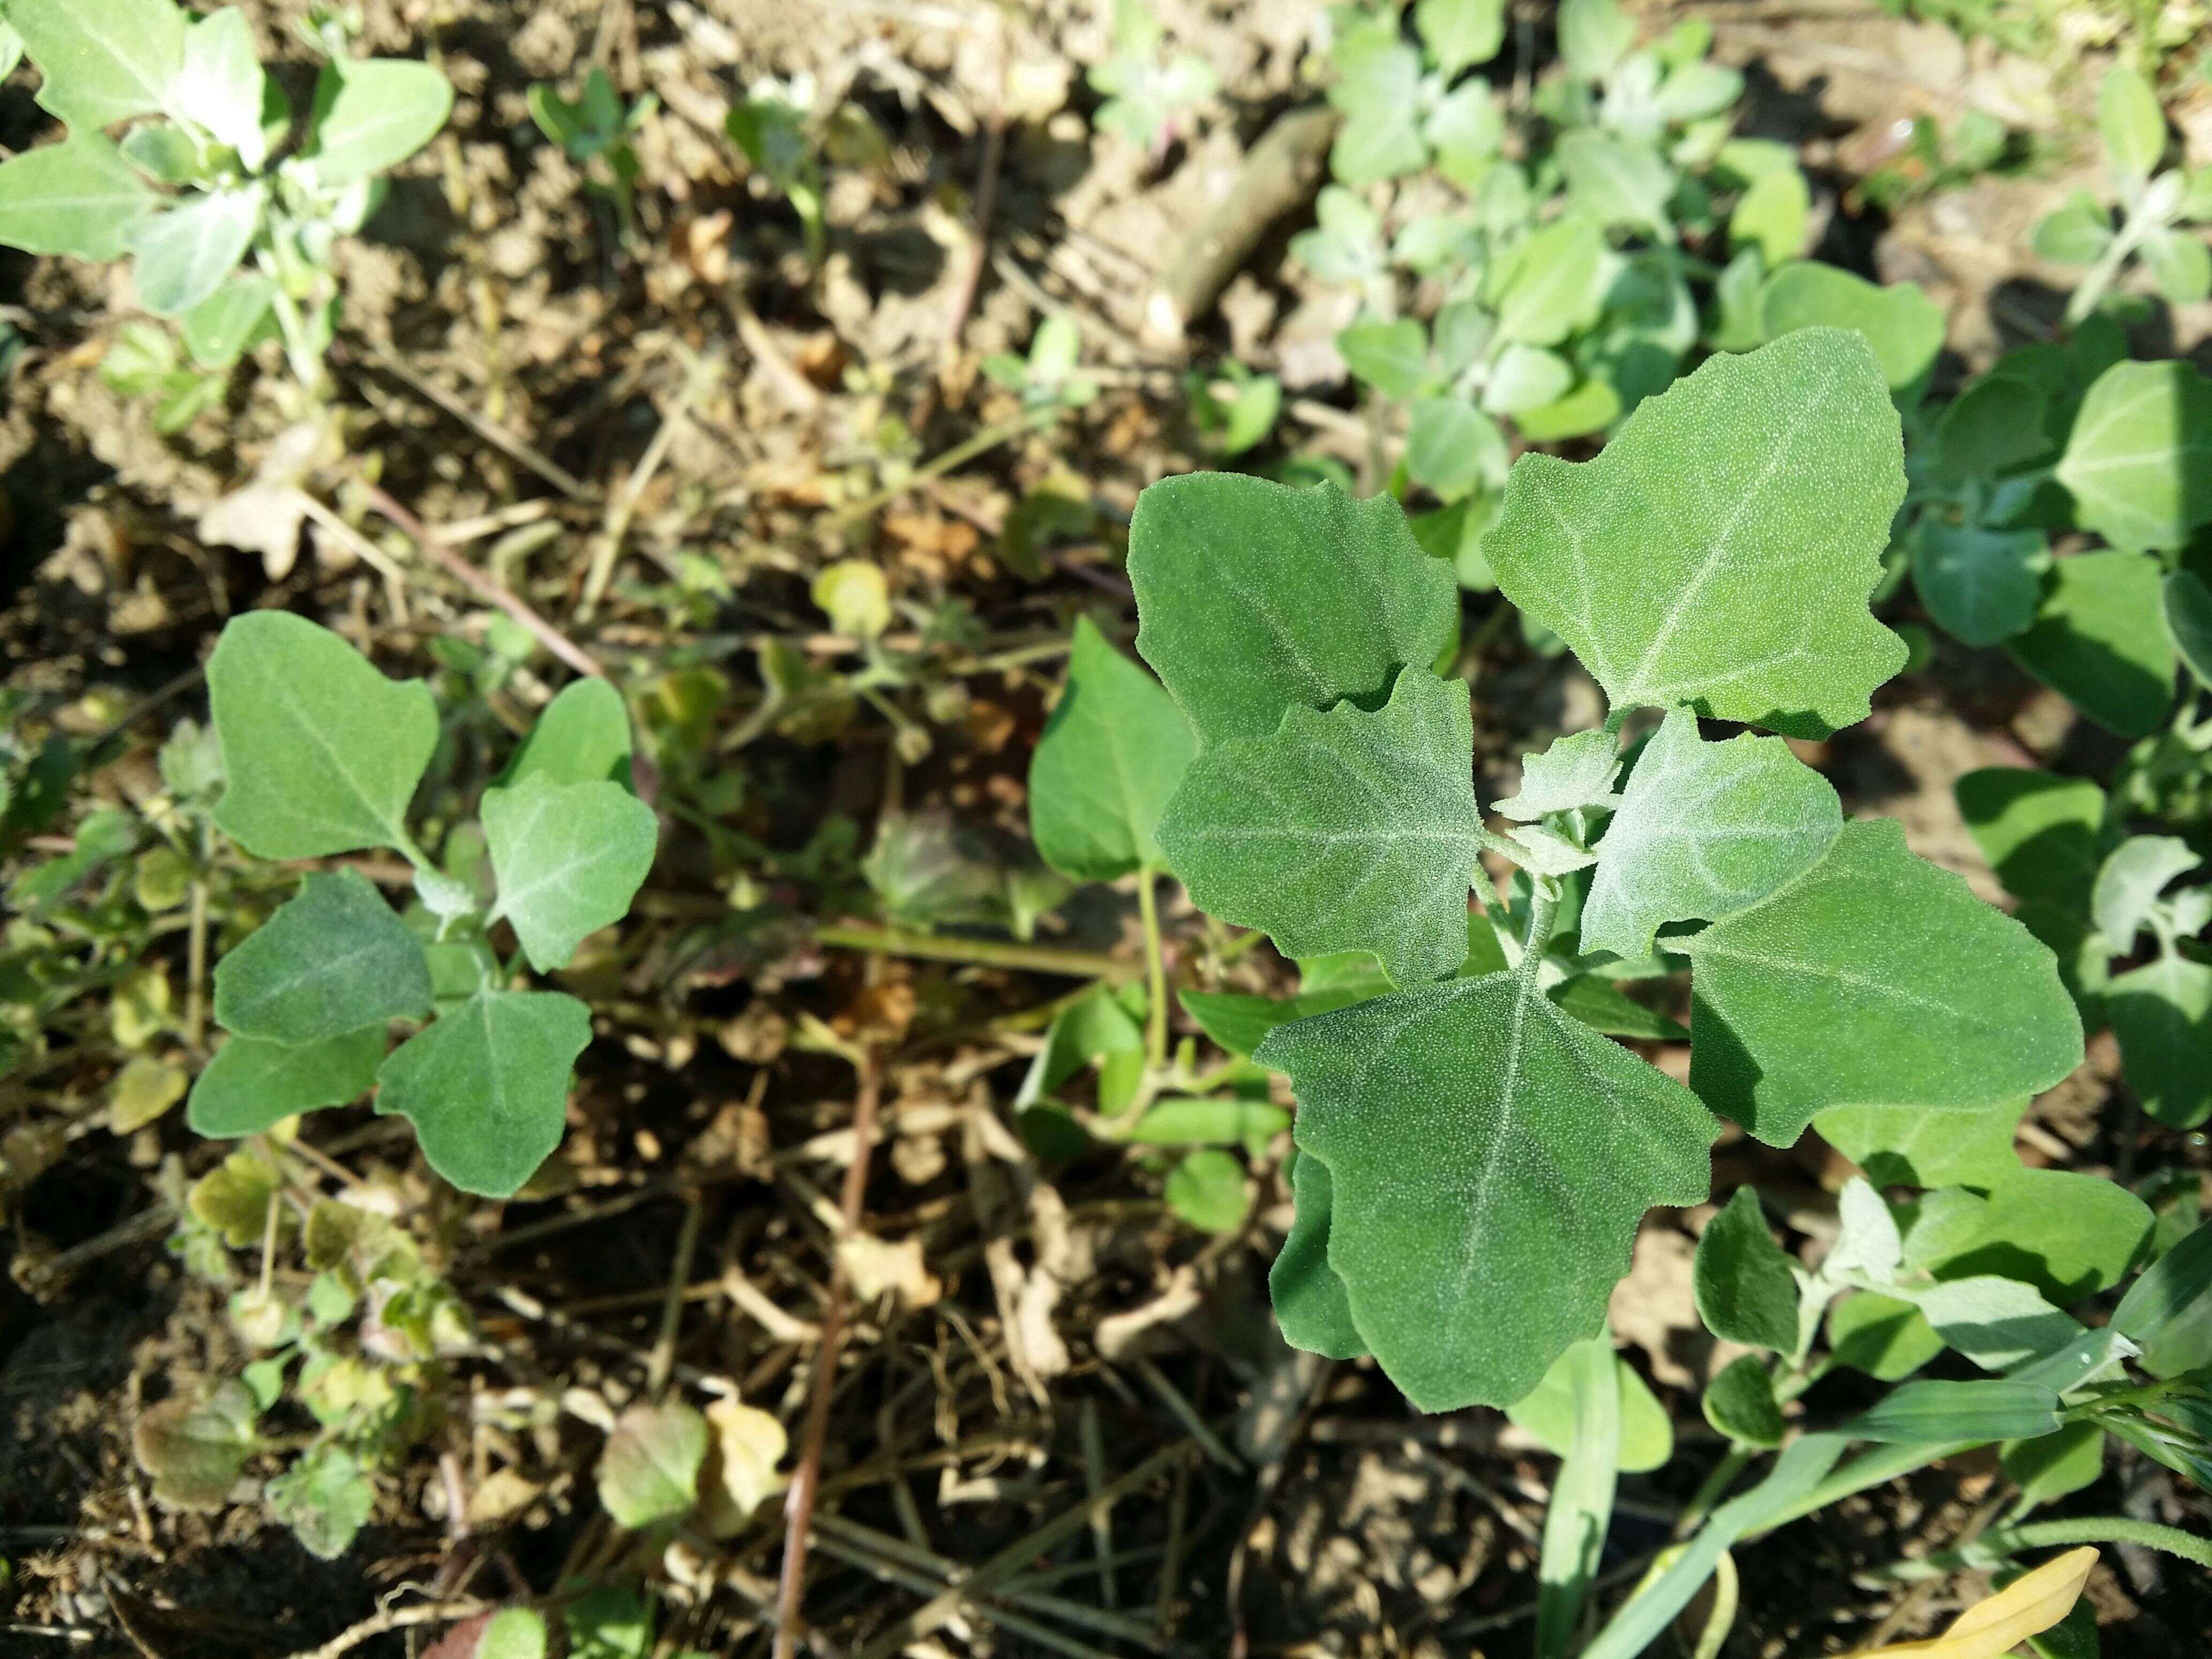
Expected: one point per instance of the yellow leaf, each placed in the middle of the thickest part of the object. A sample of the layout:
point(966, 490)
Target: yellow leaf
point(143, 1089)
point(2030, 1605)
point(742, 1474)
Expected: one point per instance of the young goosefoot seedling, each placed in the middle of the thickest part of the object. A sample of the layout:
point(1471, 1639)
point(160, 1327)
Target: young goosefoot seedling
point(230, 223)
point(321, 756)
point(1144, 97)
point(1473, 1158)
point(596, 128)
point(2154, 205)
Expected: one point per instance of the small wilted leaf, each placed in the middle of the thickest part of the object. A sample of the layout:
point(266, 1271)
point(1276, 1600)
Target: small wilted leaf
point(233, 1197)
point(742, 1474)
point(196, 1452)
point(143, 1089)
point(649, 1470)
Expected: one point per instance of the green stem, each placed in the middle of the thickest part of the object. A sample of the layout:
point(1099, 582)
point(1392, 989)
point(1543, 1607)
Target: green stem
point(1873, 1468)
point(1543, 913)
point(2000, 1542)
point(962, 453)
point(977, 952)
point(1713, 1488)
point(1155, 972)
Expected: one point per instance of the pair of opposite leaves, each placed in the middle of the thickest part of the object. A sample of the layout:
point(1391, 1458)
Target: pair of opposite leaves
point(1475, 1160)
point(322, 755)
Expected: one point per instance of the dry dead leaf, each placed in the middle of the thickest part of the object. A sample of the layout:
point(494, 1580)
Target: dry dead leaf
point(877, 1267)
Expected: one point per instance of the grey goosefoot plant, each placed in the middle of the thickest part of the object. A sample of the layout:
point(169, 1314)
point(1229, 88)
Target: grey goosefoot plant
point(322, 756)
point(1473, 1159)
point(230, 223)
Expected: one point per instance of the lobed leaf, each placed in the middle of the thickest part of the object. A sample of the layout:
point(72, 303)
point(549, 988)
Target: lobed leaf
point(1720, 550)
point(487, 1086)
point(1349, 831)
point(333, 960)
point(1254, 596)
point(1873, 979)
point(1490, 1159)
point(1906, 1147)
point(1703, 831)
point(321, 753)
point(184, 254)
point(80, 199)
point(103, 63)
point(1575, 772)
point(1110, 758)
point(1903, 325)
point(569, 857)
point(252, 1083)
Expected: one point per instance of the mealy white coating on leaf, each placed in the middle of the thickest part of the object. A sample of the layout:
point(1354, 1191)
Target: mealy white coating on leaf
point(1703, 831)
point(1867, 1241)
point(1349, 831)
point(1721, 550)
point(1873, 979)
point(1577, 771)
point(1548, 853)
point(1254, 596)
point(570, 858)
point(1490, 1159)
point(2130, 882)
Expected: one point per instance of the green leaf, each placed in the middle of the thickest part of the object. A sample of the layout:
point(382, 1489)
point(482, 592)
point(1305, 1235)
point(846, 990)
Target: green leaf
point(1604, 1007)
point(2125, 895)
point(2189, 619)
point(1594, 36)
point(1740, 1402)
point(569, 857)
point(1209, 1123)
point(1997, 423)
point(1580, 1512)
point(252, 1083)
point(102, 62)
point(1208, 1189)
point(333, 960)
point(1547, 1413)
point(2179, 263)
point(511, 1633)
point(1377, 87)
point(1466, 129)
point(1590, 407)
point(1525, 377)
point(325, 1497)
point(1873, 979)
point(79, 198)
point(2130, 123)
point(2100, 640)
point(2051, 1466)
point(2162, 1015)
point(1616, 181)
point(184, 254)
point(1721, 548)
point(104, 837)
point(1703, 831)
point(1352, 830)
point(1995, 1322)
point(1460, 34)
point(1453, 447)
point(1900, 322)
point(2139, 458)
point(1110, 757)
point(2070, 1236)
point(2039, 831)
point(1981, 586)
point(322, 752)
point(371, 114)
point(218, 330)
point(2077, 231)
point(1772, 215)
point(1936, 1413)
point(220, 84)
point(1393, 357)
point(487, 1086)
point(1310, 1303)
point(1746, 1287)
point(583, 737)
point(1254, 596)
point(1575, 772)
point(1905, 1147)
point(1886, 1338)
point(649, 1469)
point(1432, 1107)
point(1553, 283)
